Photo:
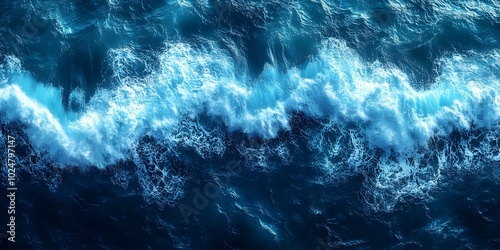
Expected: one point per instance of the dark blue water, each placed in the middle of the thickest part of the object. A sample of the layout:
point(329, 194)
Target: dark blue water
point(251, 124)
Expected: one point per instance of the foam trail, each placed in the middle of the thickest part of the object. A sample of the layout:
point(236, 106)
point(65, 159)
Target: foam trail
point(336, 85)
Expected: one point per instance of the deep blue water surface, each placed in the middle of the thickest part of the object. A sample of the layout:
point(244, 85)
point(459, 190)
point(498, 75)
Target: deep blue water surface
point(251, 124)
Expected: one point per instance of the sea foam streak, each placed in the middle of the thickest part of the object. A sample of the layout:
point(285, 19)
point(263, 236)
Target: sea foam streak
point(336, 85)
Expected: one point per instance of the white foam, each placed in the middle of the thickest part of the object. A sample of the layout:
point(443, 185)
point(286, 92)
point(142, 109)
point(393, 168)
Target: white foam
point(336, 85)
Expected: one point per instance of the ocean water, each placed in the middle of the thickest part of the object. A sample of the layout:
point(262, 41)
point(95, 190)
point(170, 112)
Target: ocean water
point(251, 124)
